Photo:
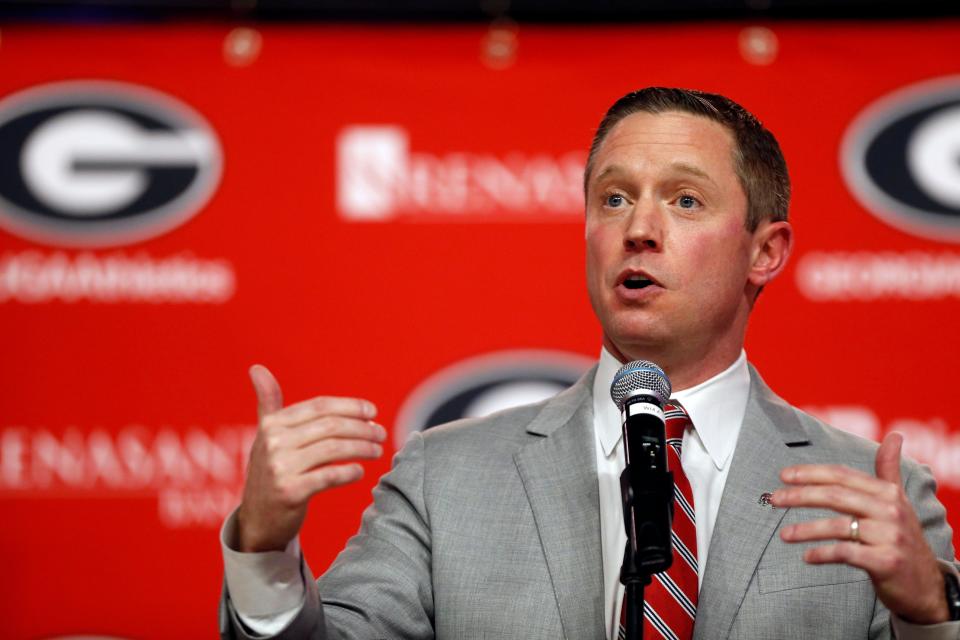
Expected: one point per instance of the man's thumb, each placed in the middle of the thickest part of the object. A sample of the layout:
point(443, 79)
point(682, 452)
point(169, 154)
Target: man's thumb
point(269, 396)
point(888, 457)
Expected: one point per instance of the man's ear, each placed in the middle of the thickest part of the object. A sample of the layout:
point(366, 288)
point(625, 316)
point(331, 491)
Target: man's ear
point(772, 244)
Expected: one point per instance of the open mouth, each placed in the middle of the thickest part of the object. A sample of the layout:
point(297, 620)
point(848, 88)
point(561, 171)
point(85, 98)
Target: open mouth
point(637, 282)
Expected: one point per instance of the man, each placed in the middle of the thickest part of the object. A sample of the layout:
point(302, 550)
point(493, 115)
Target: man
point(510, 526)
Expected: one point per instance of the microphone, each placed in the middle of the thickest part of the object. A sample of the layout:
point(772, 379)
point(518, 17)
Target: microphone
point(640, 389)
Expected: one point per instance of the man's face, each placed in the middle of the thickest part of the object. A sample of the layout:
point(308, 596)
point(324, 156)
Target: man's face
point(668, 254)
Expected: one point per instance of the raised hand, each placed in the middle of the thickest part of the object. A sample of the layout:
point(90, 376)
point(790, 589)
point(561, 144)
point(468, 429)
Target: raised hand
point(887, 540)
point(299, 451)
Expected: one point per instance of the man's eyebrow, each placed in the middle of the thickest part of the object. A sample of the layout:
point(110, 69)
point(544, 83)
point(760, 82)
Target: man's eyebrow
point(683, 167)
point(612, 170)
point(679, 166)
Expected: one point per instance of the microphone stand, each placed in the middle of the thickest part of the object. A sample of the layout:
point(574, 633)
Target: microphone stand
point(634, 584)
point(645, 553)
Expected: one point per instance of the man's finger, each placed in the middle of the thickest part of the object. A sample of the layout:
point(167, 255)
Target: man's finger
point(834, 497)
point(269, 395)
point(871, 532)
point(888, 458)
point(823, 529)
point(323, 406)
point(334, 427)
point(854, 554)
point(834, 474)
point(330, 476)
point(334, 450)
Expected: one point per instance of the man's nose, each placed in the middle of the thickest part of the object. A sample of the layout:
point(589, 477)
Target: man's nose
point(644, 227)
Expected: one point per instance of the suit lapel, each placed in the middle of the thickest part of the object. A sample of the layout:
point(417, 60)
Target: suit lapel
point(744, 527)
point(560, 479)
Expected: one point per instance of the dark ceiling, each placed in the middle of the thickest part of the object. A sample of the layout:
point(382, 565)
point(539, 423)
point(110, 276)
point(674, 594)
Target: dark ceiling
point(562, 11)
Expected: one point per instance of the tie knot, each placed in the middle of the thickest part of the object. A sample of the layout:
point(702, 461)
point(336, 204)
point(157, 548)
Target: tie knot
point(677, 420)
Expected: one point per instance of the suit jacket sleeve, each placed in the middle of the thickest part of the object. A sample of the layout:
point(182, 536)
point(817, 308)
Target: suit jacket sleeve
point(380, 585)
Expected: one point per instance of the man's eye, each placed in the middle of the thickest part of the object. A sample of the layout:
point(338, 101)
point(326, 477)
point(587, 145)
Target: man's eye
point(614, 200)
point(687, 202)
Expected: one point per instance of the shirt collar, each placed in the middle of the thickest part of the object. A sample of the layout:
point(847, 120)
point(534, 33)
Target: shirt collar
point(716, 407)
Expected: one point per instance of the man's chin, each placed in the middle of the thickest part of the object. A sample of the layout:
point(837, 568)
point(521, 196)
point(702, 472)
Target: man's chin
point(635, 344)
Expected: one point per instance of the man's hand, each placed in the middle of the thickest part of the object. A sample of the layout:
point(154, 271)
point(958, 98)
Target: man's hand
point(891, 547)
point(295, 455)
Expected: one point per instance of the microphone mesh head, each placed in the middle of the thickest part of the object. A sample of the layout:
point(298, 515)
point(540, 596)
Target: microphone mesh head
point(639, 377)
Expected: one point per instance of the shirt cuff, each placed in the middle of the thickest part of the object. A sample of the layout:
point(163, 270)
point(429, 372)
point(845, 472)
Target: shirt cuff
point(903, 630)
point(261, 584)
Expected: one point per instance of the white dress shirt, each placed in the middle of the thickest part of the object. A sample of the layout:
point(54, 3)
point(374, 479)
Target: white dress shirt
point(267, 589)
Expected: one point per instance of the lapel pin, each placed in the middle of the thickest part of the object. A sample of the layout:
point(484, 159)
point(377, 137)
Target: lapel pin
point(766, 499)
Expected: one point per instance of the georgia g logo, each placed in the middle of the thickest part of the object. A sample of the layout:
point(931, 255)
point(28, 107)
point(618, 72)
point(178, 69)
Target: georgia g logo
point(487, 383)
point(101, 163)
point(901, 159)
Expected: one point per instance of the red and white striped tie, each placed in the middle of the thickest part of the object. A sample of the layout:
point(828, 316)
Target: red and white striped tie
point(670, 600)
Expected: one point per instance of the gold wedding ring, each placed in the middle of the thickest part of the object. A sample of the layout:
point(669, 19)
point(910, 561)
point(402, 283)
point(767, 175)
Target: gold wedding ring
point(855, 529)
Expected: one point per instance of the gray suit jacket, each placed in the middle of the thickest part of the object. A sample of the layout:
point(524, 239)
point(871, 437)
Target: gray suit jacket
point(490, 529)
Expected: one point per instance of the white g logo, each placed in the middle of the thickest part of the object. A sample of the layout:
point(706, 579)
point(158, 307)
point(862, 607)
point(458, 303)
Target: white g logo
point(901, 159)
point(933, 156)
point(99, 164)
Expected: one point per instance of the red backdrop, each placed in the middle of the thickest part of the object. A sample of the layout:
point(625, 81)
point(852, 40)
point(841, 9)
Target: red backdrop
point(125, 413)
